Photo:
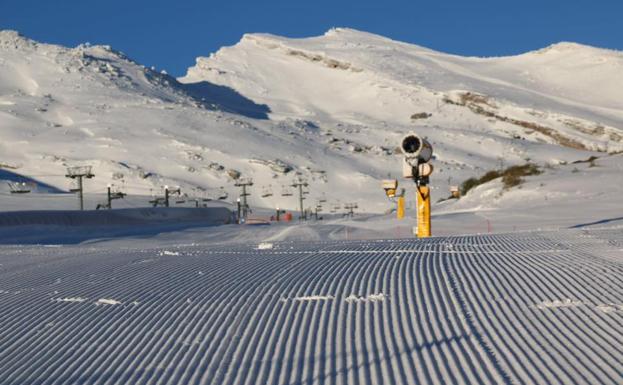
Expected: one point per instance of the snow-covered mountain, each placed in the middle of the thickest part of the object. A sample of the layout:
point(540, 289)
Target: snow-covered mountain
point(328, 109)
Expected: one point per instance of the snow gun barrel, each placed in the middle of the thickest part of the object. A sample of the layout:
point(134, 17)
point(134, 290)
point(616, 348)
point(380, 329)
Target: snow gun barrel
point(416, 149)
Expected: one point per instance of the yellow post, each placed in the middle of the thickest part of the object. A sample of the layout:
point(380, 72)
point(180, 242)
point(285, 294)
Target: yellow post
point(400, 209)
point(423, 211)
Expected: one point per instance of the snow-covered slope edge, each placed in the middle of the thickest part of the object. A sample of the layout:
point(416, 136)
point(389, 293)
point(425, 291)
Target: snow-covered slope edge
point(564, 94)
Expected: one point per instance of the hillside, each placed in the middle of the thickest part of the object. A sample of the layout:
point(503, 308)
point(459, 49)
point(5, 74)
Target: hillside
point(329, 109)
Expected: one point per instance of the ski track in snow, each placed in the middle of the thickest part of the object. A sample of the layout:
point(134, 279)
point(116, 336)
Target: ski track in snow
point(453, 310)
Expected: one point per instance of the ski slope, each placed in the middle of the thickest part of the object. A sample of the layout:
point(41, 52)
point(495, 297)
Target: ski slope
point(525, 308)
point(329, 109)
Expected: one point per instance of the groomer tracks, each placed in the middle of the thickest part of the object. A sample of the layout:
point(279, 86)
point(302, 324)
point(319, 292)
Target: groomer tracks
point(525, 308)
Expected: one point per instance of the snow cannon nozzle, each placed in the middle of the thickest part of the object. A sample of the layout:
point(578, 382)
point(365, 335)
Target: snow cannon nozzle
point(415, 149)
point(411, 144)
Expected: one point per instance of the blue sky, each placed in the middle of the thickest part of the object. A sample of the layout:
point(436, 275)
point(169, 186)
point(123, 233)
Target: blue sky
point(171, 34)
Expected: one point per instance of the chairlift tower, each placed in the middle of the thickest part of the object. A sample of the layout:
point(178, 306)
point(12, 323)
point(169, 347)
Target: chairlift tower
point(78, 173)
point(318, 209)
point(164, 201)
point(112, 195)
point(167, 194)
point(299, 183)
point(350, 209)
point(243, 184)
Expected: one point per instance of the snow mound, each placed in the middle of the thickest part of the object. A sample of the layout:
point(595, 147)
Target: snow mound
point(311, 298)
point(71, 299)
point(353, 298)
point(265, 246)
point(559, 303)
point(107, 301)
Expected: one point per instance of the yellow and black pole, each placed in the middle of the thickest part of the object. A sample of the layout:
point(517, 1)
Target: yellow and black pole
point(423, 211)
point(400, 207)
point(391, 187)
point(417, 155)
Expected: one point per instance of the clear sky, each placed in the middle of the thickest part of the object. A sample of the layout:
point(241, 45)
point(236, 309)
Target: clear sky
point(171, 34)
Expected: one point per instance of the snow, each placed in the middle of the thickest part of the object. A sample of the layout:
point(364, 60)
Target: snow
point(182, 295)
point(107, 301)
point(369, 298)
point(142, 130)
point(307, 298)
point(558, 303)
point(169, 253)
point(71, 299)
point(608, 308)
point(265, 246)
point(451, 310)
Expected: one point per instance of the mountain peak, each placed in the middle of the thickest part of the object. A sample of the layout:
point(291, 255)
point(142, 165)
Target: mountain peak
point(9, 34)
point(13, 37)
point(572, 47)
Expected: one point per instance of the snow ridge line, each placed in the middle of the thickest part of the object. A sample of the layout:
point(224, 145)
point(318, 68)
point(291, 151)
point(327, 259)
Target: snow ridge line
point(570, 341)
point(497, 374)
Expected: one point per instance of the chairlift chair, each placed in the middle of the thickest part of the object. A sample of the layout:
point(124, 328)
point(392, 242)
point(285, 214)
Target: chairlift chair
point(74, 186)
point(222, 194)
point(19, 188)
point(102, 205)
point(286, 192)
point(118, 195)
point(266, 192)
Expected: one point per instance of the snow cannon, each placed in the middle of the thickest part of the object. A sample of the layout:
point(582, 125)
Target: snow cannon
point(417, 154)
point(415, 166)
point(390, 186)
point(415, 149)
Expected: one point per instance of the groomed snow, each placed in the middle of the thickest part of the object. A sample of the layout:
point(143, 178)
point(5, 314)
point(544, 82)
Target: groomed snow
point(526, 308)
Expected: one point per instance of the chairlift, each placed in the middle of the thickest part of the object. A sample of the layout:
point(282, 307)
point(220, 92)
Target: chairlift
point(266, 192)
point(102, 205)
point(74, 186)
point(157, 201)
point(222, 194)
point(117, 195)
point(19, 188)
point(79, 172)
point(181, 198)
point(286, 192)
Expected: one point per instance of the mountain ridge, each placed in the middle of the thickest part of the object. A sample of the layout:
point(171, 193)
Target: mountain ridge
point(329, 109)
